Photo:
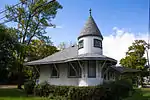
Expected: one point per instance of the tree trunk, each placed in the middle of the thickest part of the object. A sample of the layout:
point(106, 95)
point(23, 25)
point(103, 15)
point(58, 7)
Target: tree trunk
point(20, 81)
point(20, 69)
point(19, 86)
point(20, 77)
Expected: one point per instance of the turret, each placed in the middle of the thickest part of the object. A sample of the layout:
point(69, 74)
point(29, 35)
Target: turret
point(90, 38)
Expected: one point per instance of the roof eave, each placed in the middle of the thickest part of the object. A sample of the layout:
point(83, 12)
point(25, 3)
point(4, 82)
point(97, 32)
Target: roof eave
point(90, 35)
point(71, 59)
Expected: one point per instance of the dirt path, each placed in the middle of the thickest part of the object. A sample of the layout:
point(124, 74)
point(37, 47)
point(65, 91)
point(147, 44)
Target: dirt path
point(8, 86)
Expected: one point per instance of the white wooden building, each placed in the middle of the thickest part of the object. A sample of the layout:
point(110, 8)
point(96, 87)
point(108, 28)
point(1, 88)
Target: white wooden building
point(81, 65)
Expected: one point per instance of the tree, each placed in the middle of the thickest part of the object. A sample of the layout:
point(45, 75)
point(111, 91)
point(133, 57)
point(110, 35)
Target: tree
point(64, 45)
point(39, 49)
point(135, 55)
point(8, 47)
point(32, 17)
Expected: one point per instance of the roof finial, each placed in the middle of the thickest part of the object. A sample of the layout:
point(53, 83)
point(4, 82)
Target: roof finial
point(90, 11)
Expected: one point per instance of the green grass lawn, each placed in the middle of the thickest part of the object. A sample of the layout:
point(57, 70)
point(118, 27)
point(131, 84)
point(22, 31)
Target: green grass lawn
point(15, 94)
point(140, 94)
point(21, 98)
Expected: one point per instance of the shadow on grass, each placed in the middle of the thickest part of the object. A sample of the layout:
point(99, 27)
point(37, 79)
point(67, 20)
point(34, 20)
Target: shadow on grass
point(140, 94)
point(12, 93)
point(146, 93)
point(16, 94)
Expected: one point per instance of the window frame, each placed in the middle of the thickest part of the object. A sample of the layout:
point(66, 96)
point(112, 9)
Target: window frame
point(79, 74)
point(81, 41)
point(89, 70)
point(100, 46)
point(53, 67)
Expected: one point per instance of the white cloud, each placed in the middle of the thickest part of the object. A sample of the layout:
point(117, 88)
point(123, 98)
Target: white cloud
point(116, 44)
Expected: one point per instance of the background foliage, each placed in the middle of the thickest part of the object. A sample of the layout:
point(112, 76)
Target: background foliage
point(135, 55)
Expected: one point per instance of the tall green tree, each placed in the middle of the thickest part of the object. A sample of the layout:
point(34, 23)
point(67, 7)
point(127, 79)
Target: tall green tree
point(8, 47)
point(39, 49)
point(32, 18)
point(135, 55)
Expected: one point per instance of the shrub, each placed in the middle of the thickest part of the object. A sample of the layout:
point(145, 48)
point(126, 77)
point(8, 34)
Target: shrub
point(60, 90)
point(70, 92)
point(118, 90)
point(52, 97)
point(37, 90)
point(110, 91)
point(42, 89)
point(86, 93)
point(29, 86)
point(45, 89)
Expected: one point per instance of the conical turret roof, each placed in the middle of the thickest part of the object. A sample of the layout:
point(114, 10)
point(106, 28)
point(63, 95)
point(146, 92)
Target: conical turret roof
point(90, 29)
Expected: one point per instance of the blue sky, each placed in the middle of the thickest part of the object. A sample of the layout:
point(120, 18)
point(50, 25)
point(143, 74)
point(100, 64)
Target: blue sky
point(128, 14)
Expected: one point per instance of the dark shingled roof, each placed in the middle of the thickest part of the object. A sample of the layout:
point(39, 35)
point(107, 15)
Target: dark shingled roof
point(122, 70)
point(90, 29)
point(69, 54)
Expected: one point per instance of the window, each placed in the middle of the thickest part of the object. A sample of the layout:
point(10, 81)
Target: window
point(80, 44)
point(74, 70)
point(108, 75)
point(113, 75)
point(97, 43)
point(105, 76)
point(54, 73)
point(92, 69)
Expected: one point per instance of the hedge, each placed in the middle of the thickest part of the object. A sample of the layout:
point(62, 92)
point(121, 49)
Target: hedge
point(71, 92)
point(118, 90)
point(112, 91)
